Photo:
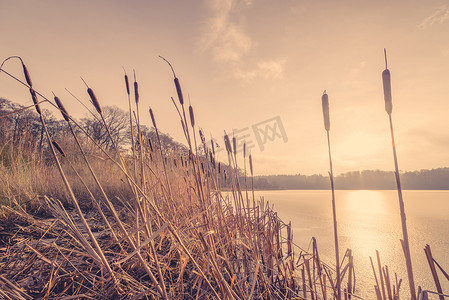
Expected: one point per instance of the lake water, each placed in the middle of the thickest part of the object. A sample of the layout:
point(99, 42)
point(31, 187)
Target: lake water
point(370, 221)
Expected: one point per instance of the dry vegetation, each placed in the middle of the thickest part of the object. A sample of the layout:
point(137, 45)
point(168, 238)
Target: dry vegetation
point(81, 219)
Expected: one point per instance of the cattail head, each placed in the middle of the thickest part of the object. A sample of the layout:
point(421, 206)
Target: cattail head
point(251, 164)
point(234, 144)
point(325, 102)
point(387, 91)
point(64, 112)
point(244, 150)
point(179, 91)
point(192, 117)
point(227, 143)
point(152, 118)
point(219, 167)
point(56, 145)
point(94, 100)
point(178, 86)
point(127, 84)
point(151, 144)
point(212, 146)
point(203, 139)
point(136, 92)
point(386, 80)
point(27, 75)
point(136, 89)
point(36, 103)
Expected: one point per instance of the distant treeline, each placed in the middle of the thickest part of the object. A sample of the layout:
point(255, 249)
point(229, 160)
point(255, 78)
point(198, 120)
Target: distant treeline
point(435, 179)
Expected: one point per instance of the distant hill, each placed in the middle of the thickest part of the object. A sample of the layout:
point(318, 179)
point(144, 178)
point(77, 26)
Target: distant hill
point(435, 179)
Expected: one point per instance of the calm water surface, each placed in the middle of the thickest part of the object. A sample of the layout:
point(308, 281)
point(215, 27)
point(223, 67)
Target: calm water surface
point(370, 221)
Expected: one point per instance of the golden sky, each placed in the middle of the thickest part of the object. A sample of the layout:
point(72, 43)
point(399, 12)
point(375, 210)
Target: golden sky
point(245, 62)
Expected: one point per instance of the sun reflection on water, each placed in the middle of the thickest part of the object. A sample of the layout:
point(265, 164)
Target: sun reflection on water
point(363, 212)
point(365, 202)
point(370, 221)
point(369, 216)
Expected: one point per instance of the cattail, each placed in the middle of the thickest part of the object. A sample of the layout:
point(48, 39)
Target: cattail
point(36, 104)
point(387, 86)
point(327, 125)
point(127, 84)
point(94, 100)
point(212, 159)
point(178, 90)
point(64, 112)
point(192, 117)
point(178, 86)
point(136, 89)
point(56, 145)
point(244, 150)
point(151, 144)
point(405, 240)
point(234, 144)
point(325, 102)
point(219, 167)
point(203, 140)
point(251, 164)
point(227, 143)
point(27, 75)
point(152, 118)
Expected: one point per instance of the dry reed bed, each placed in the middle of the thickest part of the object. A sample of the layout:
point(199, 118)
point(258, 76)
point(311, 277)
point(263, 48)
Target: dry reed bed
point(177, 235)
point(56, 264)
point(170, 233)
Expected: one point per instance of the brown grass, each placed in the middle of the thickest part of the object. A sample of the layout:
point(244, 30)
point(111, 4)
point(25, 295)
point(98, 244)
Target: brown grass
point(116, 225)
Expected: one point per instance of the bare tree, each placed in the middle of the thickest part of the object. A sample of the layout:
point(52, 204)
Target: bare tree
point(117, 122)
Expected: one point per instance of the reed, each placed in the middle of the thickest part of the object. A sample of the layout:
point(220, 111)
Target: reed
point(405, 241)
point(95, 250)
point(326, 117)
point(35, 101)
point(171, 233)
point(27, 75)
point(93, 98)
point(61, 107)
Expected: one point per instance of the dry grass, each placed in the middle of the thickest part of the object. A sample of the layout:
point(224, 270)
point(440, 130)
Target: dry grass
point(149, 224)
point(146, 225)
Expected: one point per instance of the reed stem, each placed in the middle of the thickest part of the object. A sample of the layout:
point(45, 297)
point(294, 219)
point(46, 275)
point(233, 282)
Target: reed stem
point(334, 217)
point(406, 246)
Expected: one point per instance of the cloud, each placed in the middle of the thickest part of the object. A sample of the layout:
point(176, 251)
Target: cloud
point(438, 17)
point(273, 69)
point(269, 70)
point(225, 38)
